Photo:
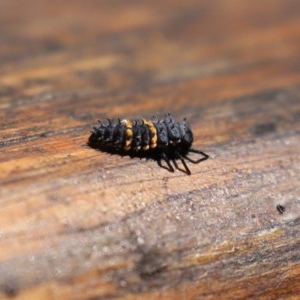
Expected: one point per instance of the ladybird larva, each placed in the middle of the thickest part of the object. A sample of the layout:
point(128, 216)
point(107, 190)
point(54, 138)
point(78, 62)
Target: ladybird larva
point(169, 139)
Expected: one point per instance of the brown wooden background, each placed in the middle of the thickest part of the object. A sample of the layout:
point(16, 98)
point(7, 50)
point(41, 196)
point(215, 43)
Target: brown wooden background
point(76, 223)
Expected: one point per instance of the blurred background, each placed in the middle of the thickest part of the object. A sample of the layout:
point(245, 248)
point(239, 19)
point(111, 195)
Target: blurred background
point(155, 52)
point(76, 223)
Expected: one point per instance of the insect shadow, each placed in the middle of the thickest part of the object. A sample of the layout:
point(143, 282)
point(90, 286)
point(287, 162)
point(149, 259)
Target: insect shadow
point(159, 155)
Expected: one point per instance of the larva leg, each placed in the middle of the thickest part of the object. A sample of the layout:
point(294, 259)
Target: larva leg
point(166, 159)
point(205, 156)
point(186, 168)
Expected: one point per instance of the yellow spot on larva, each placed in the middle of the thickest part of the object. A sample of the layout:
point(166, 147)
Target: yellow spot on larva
point(128, 134)
point(153, 134)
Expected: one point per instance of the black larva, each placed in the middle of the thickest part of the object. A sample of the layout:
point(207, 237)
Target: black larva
point(167, 139)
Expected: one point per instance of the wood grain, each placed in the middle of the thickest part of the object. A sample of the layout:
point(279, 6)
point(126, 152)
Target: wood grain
point(76, 223)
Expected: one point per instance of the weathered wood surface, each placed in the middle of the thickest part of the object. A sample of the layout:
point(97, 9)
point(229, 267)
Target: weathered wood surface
point(76, 223)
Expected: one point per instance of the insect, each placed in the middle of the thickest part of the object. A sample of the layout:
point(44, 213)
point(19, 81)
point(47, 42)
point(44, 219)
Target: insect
point(163, 139)
point(280, 208)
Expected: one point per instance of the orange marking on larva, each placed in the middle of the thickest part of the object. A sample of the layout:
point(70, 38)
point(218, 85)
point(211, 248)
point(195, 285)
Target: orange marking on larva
point(128, 134)
point(153, 133)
